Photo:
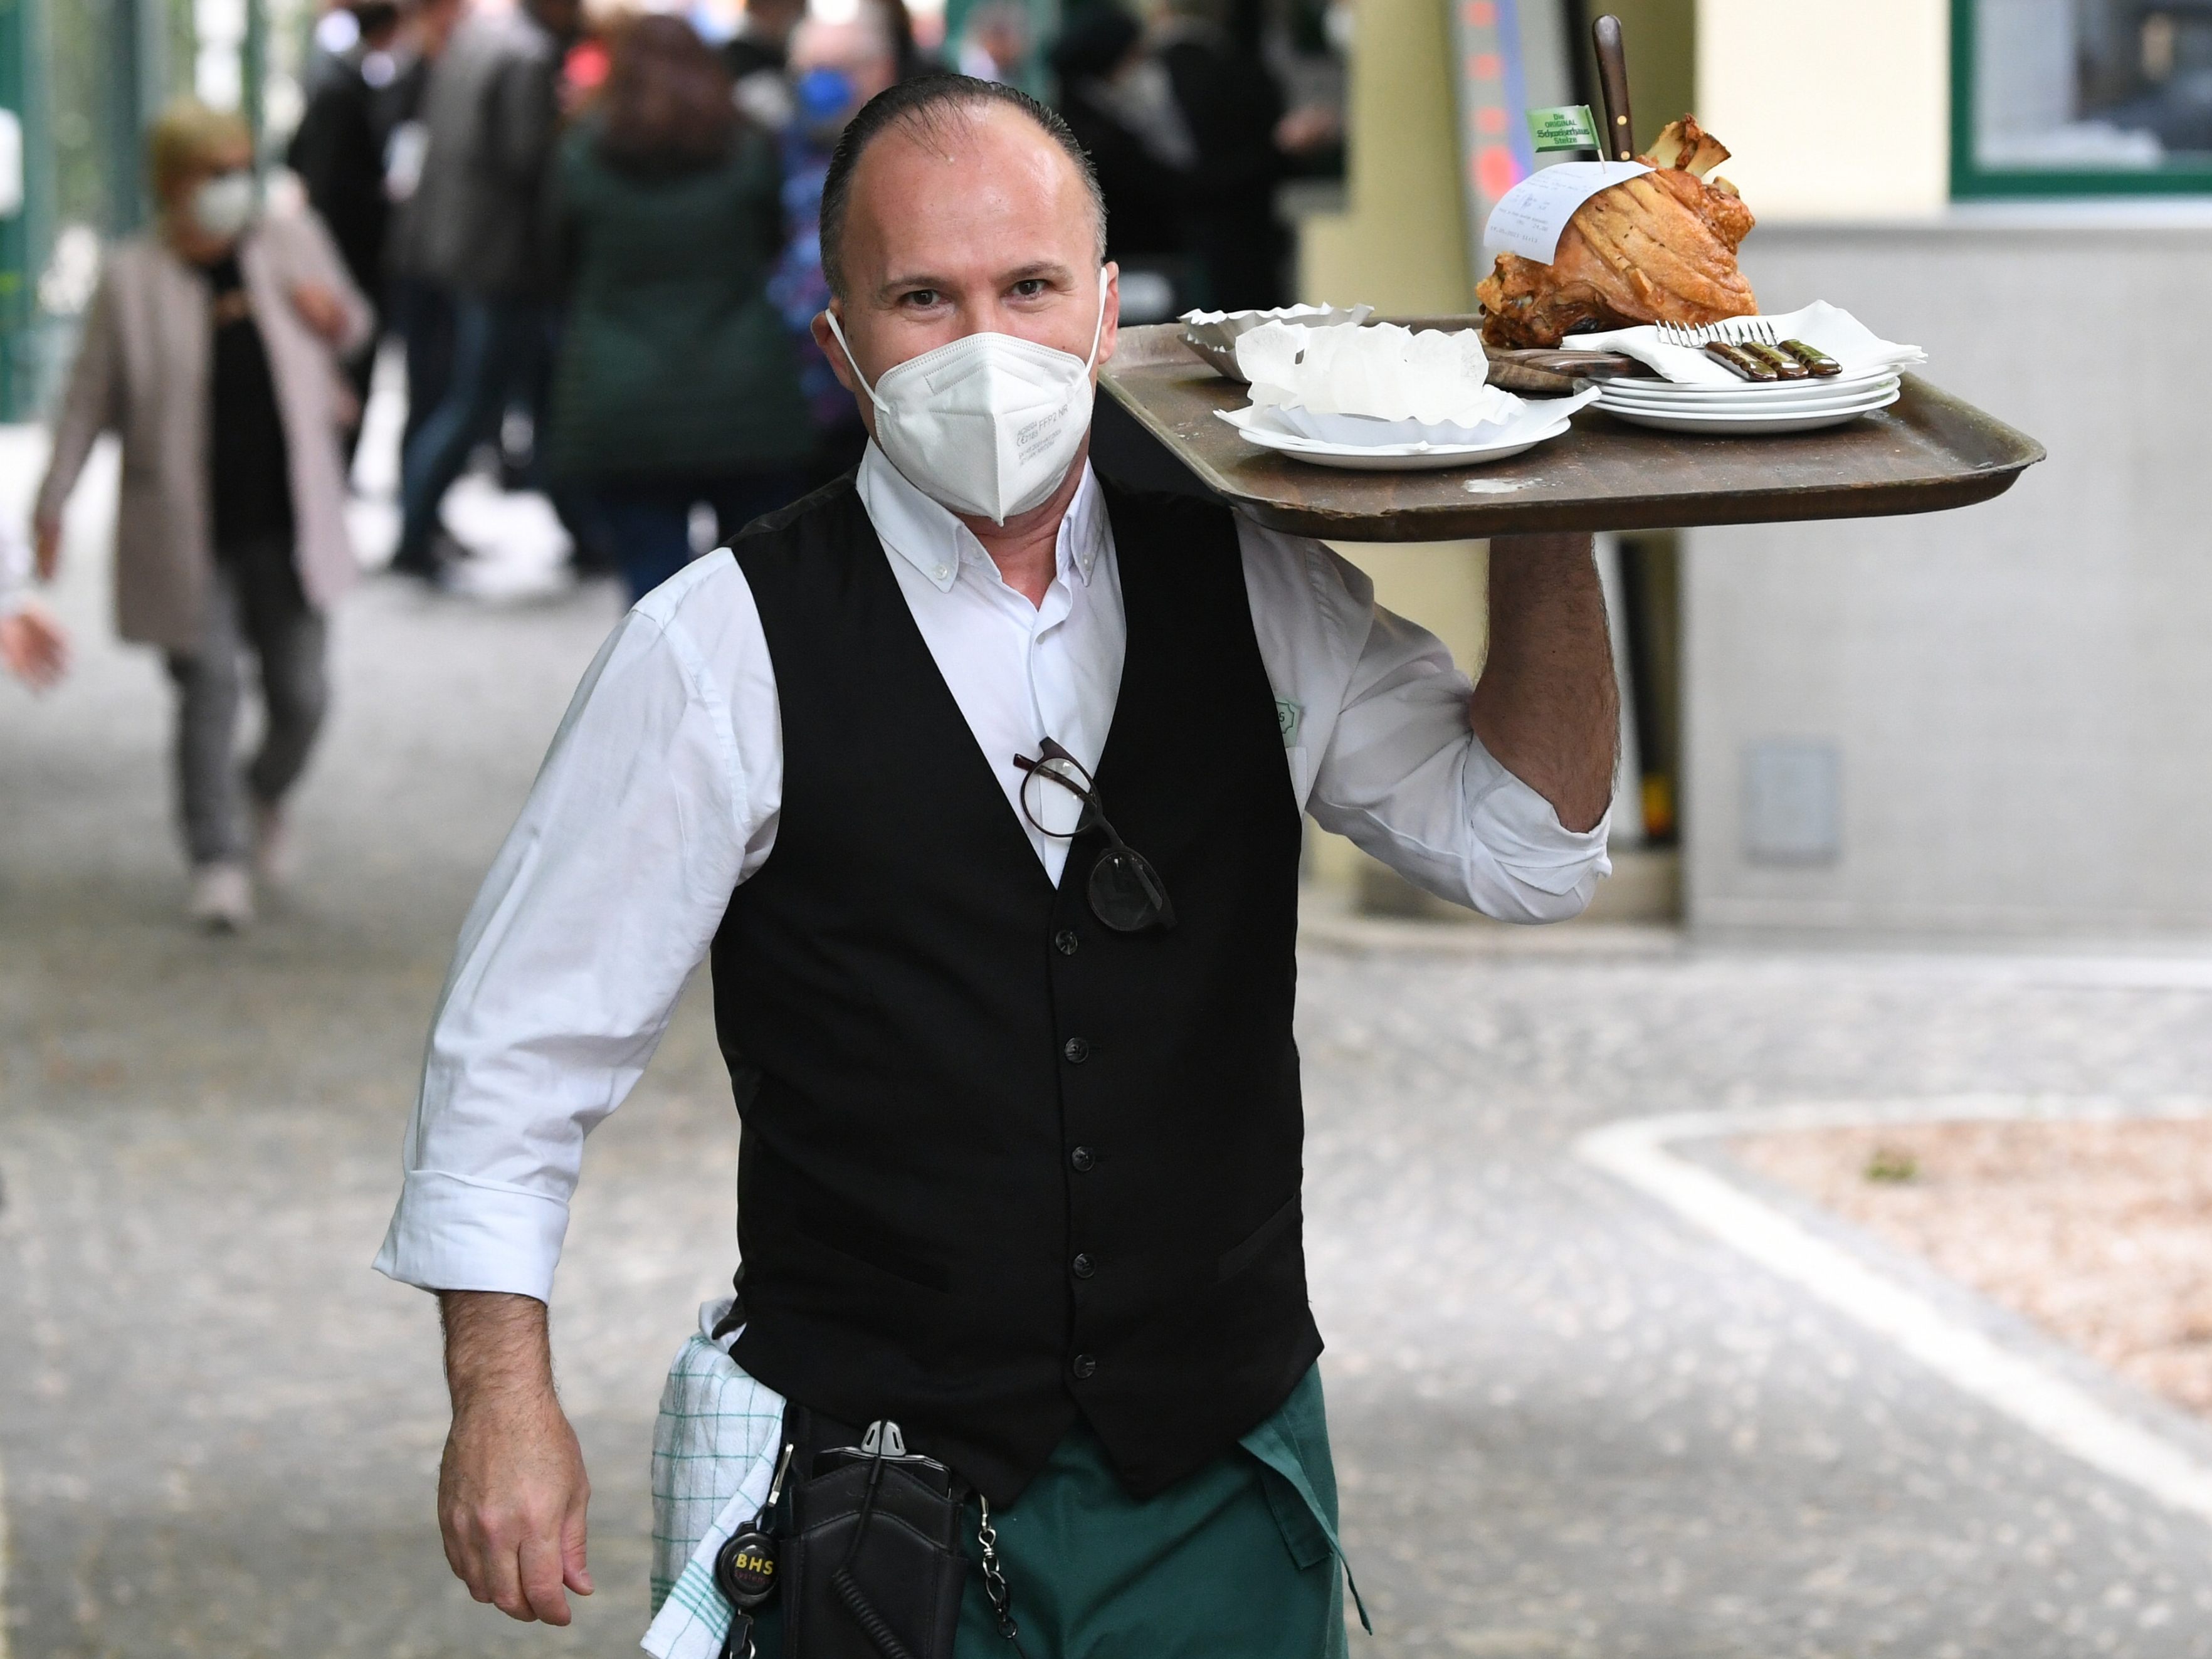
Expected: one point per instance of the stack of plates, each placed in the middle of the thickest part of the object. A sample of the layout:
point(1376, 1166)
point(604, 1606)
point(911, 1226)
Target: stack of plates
point(1748, 406)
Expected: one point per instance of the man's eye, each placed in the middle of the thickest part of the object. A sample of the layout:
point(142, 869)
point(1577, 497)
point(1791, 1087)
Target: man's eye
point(1029, 288)
point(922, 298)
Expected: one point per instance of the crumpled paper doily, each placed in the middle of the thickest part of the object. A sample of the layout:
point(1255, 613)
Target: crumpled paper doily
point(1381, 371)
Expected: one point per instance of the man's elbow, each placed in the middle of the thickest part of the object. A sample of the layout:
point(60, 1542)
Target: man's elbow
point(1526, 905)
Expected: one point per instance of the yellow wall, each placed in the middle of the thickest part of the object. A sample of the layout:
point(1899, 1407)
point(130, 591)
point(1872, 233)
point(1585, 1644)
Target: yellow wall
point(1403, 246)
point(1834, 109)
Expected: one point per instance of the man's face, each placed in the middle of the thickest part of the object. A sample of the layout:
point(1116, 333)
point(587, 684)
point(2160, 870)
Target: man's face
point(984, 226)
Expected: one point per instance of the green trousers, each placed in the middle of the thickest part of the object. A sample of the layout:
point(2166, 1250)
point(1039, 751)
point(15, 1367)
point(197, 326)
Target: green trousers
point(1239, 1561)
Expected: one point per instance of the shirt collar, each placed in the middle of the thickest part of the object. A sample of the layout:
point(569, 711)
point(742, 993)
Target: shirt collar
point(927, 535)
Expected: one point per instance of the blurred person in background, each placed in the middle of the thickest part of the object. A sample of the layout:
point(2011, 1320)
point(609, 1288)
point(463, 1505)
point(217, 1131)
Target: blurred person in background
point(338, 153)
point(835, 68)
point(34, 645)
point(213, 346)
point(1245, 144)
point(1116, 99)
point(493, 115)
point(421, 308)
point(914, 60)
point(757, 57)
point(675, 385)
point(994, 46)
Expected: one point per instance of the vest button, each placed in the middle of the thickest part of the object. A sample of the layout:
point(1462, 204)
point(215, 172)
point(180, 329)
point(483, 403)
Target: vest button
point(1064, 941)
point(1077, 1051)
point(1083, 1365)
point(1082, 1157)
point(1084, 1267)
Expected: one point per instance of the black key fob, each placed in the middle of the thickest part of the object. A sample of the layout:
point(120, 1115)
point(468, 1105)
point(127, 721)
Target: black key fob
point(744, 1568)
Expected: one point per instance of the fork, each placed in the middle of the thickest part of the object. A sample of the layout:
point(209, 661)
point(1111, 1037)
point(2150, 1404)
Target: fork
point(1732, 332)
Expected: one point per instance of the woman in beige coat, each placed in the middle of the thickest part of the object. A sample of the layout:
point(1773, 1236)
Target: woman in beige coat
point(213, 348)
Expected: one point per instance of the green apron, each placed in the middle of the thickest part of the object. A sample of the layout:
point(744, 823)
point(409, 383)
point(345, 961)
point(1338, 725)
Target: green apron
point(1239, 1561)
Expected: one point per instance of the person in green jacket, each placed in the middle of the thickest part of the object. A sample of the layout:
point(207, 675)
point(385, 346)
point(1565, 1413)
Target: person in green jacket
point(677, 386)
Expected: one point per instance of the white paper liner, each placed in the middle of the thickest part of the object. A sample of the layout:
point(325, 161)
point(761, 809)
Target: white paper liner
point(1214, 334)
point(1385, 372)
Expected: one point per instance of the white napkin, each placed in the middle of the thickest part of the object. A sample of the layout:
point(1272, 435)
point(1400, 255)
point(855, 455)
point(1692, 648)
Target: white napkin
point(1384, 371)
point(1854, 346)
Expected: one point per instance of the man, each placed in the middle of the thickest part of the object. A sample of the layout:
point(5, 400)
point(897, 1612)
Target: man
point(836, 68)
point(492, 113)
point(981, 782)
point(761, 40)
point(422, 305)
point(338, 151)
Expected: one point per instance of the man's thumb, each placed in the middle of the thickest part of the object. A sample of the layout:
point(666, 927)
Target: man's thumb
point(574, 1572)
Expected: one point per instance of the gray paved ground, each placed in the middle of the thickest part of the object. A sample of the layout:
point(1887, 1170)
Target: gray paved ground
point(1566, 1424)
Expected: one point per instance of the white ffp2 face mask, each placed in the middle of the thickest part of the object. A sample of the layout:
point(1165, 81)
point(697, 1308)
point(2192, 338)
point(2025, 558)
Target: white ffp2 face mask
point(988, 424)
point(223, 206)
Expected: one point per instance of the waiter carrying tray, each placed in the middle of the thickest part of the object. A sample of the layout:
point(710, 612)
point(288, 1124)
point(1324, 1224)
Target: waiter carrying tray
point(979, 782)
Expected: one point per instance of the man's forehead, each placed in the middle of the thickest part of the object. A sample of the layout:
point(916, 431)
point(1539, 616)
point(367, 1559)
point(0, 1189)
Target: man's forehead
point(937, 182)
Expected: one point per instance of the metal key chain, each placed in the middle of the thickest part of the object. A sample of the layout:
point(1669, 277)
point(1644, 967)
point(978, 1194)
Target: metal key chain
point(995, 1580)
point(744, 1568)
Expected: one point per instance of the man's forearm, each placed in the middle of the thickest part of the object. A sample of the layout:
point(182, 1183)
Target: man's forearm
point(1546, 705)
point(497, 1350)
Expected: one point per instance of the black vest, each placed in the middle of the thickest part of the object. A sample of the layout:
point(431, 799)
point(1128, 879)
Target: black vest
point(1002, 1166)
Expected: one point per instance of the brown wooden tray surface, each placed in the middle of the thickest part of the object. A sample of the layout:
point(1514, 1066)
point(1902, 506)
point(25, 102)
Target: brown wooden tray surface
point(1926, 453)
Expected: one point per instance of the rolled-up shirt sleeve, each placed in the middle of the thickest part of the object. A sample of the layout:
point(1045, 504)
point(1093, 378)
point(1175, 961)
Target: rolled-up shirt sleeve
point(1383, 752)
point(605, 897)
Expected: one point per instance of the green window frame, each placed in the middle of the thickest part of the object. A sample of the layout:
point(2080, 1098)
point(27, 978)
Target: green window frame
point(1970, 179)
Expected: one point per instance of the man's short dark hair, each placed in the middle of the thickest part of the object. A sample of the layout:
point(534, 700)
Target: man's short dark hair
point(927, 107)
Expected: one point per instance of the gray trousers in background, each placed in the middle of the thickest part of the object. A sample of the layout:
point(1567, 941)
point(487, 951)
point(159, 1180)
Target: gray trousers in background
point(256, 606)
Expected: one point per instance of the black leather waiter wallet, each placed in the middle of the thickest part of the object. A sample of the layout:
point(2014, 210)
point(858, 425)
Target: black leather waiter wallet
point(875, 1568)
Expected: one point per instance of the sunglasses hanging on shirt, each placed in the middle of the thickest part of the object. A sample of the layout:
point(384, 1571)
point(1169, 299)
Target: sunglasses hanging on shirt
point(1126, 891)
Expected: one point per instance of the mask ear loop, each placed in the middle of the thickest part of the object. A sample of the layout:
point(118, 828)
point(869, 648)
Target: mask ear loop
point(1098, 329)
point(830, 317)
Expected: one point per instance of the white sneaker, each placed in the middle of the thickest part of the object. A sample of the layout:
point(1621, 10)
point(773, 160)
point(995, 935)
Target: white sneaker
point(223, 898)
point(276, 856)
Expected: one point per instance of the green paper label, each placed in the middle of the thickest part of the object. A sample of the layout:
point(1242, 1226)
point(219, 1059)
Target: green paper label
point(1287, 715)
point(1571, 127)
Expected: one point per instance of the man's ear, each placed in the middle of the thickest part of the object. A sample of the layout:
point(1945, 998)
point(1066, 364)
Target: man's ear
point(840, 364)
point(1109, 326)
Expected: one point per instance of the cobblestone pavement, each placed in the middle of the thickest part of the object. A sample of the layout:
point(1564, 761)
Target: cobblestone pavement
point(1566, 1424)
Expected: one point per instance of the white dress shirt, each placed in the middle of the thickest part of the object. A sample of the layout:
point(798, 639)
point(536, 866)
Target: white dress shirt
point(664, 782)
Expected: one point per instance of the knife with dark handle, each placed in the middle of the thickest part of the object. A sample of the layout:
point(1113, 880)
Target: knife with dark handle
point(1538, 369)
point(1613, 87)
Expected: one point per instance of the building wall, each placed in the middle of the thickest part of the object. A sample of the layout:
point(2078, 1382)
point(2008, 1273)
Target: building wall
point(2017, 695)
point(1832, 111)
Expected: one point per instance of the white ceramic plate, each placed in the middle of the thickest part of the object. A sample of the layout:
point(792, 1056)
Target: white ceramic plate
point(1727, 425)
point(1764, 393)
point(1752, 404)
point(1395, 457)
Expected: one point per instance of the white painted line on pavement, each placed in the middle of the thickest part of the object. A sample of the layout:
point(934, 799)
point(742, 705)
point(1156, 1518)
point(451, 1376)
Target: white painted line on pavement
point(1637, 1151)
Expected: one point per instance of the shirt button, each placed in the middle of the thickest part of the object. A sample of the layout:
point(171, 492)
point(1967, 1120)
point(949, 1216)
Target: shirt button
point(1064, 941)
point(1083, 1365)
point(1082, 1157)
point(1077, 1051)
point(1084, 1267)
point(943, 571)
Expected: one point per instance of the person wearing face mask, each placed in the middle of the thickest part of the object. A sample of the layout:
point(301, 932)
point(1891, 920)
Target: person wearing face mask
point(214, 348)
point(979, 782)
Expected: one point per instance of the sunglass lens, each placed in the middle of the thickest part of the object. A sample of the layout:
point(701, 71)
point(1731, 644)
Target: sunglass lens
point(1126, 893)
